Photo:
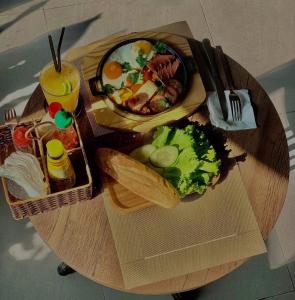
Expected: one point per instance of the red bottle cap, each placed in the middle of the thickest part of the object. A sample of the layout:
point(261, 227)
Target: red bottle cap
point(53, 108)
point(19, 138)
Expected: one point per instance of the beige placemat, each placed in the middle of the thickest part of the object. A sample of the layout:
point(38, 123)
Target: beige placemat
point(156, 244)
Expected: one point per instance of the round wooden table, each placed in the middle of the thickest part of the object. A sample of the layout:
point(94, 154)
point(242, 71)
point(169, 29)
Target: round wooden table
point(81, 236)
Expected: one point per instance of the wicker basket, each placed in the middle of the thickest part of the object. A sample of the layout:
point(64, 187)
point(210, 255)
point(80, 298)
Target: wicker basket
point(33, 206)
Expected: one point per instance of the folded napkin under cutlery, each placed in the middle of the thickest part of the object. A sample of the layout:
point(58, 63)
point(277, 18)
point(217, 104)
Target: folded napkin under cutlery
point(216, 117)
point(219, 102)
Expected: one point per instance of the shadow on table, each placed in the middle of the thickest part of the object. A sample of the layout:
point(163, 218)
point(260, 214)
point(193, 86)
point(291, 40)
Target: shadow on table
point(267, 123)
point(22, 15)
point(282, 79)
point(20, 67)
point(7, 5)
point(26, 260)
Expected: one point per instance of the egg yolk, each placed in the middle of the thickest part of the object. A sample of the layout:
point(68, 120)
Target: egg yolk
point(112, 70)
point(145, 46)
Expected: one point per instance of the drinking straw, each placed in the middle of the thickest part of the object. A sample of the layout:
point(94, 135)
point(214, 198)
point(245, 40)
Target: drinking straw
point(59, 47)
point(53, 52)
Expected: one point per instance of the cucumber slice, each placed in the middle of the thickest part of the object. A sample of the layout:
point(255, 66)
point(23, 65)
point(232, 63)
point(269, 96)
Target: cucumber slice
point(164, 157)
point(67, 87)
point(143, 153)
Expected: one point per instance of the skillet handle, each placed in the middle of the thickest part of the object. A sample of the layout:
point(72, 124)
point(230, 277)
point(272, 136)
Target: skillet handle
point(95, 86)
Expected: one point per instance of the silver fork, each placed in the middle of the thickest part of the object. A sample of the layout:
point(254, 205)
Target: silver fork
point(9, 116)
point(234, 99)
point(235, 106)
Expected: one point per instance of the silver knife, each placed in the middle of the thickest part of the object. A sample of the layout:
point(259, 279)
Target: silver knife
point(209, 51)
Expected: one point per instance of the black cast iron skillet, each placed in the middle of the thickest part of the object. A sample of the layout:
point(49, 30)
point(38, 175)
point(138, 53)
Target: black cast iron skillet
point(186, 68)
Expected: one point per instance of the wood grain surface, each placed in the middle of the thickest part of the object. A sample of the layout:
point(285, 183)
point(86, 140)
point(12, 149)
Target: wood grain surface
point(80, 234)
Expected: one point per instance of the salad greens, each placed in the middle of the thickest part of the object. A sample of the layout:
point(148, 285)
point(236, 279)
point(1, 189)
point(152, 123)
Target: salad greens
point(161, 136)
point(196, 161)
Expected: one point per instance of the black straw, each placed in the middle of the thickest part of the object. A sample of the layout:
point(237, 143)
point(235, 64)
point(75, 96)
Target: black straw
point(53, 52)
point(59, 47)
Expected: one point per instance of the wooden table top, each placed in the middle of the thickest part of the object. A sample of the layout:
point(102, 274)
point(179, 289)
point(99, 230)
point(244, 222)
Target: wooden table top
point(81, 236)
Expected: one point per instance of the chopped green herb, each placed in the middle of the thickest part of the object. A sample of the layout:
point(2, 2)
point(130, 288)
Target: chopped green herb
point(126, 67)
point(164, 103)
point(108, 88)
point(122, 84)
point(161, 88)
point(160, 47)
point(141, 59)
point(133, 77)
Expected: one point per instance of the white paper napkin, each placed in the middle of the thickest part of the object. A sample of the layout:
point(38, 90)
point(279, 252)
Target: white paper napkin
point(216, 118)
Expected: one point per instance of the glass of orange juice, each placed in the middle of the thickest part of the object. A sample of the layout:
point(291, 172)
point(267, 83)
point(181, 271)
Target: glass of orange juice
point(62, 87)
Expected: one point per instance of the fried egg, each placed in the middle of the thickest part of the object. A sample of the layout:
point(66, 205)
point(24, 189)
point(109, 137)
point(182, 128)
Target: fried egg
point(112, 74)
point(144, 46)
point(121, 54)
point(139, 46)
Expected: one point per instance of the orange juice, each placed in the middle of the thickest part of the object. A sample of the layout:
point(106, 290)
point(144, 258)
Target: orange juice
point(61, 87)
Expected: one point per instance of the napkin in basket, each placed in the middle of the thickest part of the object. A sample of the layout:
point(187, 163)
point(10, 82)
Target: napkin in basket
point(25, 176)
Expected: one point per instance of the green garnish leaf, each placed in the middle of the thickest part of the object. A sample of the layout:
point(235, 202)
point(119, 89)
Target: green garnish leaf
point(133, 77)
point(160, 47)
point(126, 67)
point(108, 88)
point(161, 88)
point(141, 59)
point(164, 103)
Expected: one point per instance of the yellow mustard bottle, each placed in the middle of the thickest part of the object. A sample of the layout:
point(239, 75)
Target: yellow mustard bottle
point(60, 170)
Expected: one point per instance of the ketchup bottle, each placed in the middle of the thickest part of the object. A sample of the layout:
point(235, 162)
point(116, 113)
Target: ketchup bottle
point(65, 131)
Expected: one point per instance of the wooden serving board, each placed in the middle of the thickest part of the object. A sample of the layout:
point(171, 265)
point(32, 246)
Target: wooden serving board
point(122, 198)
point(136, 186)
point(102, 111)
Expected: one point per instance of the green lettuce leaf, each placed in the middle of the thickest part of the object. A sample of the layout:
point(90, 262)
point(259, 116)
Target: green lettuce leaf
point(181, 139)
point(161, 136)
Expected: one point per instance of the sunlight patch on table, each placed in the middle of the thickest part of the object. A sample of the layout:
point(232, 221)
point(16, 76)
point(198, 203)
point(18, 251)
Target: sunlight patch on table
point(29, 225)
point(291, 141)
point(23, 92)
point(289, 133)
point(20, 63)
point(38, 251)
point(278, 99)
